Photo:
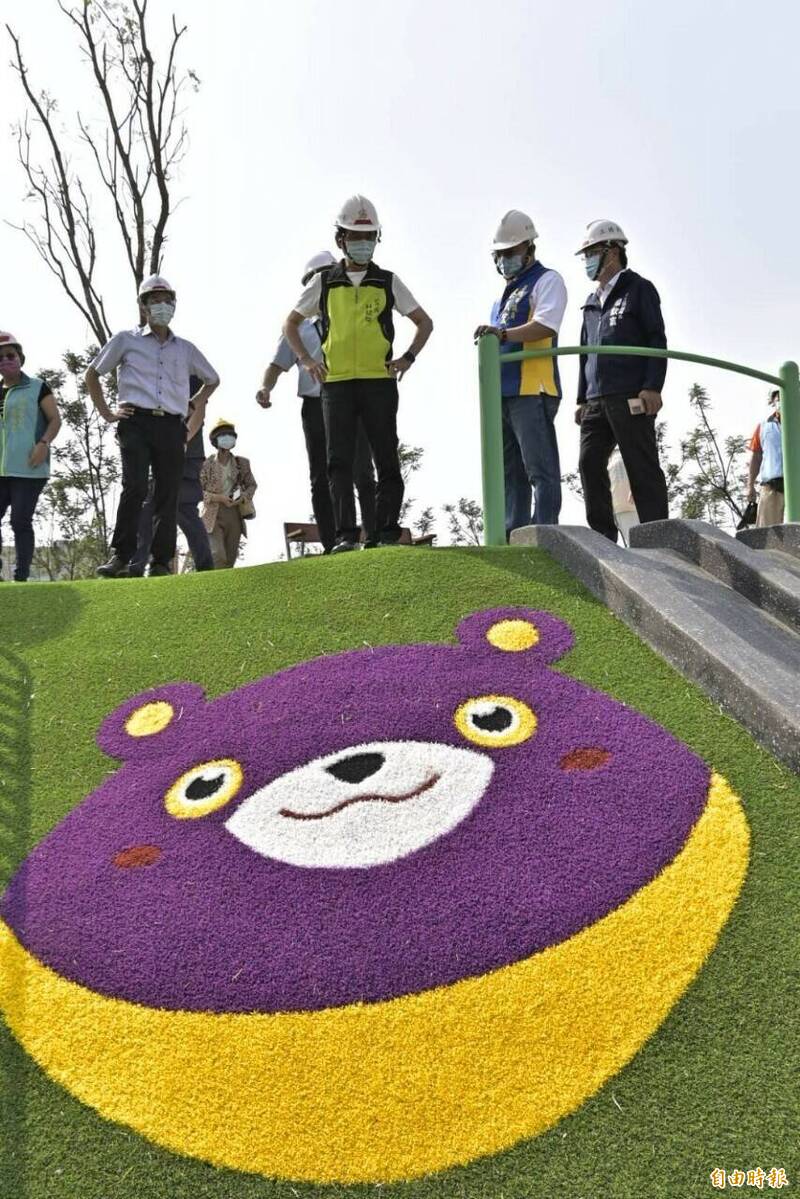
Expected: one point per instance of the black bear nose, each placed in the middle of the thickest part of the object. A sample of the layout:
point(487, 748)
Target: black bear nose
point(356, 767)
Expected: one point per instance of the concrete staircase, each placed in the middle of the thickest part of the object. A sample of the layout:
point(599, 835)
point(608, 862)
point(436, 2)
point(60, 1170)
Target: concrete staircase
point(724, 611)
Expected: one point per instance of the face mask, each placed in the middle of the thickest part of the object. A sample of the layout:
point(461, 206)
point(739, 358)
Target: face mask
point(160, 314)
point(593, 263)
point(509, 267)
point(359, 251)
point(226, 441)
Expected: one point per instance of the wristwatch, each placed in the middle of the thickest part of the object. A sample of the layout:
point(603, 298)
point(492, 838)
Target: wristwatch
point(409, 357)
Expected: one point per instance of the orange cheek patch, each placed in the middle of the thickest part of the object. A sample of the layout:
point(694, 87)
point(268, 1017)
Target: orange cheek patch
point(137, 855)
point(585, 759)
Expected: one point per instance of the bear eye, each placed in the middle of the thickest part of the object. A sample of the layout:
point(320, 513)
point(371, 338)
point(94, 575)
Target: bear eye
point(204, 789)
point(495, 721)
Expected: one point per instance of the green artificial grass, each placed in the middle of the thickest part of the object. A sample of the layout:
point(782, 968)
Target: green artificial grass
point(717, 1084)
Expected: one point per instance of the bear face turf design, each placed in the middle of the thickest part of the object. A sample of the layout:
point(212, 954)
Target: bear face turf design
point(377, 914)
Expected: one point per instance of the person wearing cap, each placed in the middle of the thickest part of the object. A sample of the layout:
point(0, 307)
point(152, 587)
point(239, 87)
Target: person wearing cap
point(228, 490)
point(29, 423)
point(528, 316)
point(766, 466)
point(153, 370)
point(354, 301)
point(309, 391)
point(619, 395)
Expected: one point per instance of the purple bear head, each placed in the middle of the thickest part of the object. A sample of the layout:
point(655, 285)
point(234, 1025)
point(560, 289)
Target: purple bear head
point(357, 827)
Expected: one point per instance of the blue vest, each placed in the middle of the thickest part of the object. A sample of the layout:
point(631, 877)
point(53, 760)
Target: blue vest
point(771, 451)
point(534, 375)
point(21, 426)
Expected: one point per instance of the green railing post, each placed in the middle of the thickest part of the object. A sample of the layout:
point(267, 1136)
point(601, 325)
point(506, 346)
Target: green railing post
point(494, 490)
point(790, 439)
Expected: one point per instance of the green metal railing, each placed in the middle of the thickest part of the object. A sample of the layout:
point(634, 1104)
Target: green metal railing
point(489, 359)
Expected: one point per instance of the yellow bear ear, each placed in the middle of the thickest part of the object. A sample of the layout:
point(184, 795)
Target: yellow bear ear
point(140, 726)
point(513, 636)
point(150, 719)
point(539, 636)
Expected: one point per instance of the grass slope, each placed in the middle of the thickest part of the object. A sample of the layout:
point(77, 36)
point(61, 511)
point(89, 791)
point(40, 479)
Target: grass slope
point(716, 1086)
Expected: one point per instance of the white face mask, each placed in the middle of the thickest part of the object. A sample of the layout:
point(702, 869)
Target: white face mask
point(226, 441)
point(160, 314)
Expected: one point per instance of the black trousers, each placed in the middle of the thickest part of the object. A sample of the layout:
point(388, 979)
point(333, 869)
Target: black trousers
point(607, 423)
point(373, 402)
point(363, 474)
point(148, 443)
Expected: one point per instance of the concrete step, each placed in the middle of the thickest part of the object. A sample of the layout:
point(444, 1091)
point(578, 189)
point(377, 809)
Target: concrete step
point(745, 659)
point(756, 576)
point(784, 538)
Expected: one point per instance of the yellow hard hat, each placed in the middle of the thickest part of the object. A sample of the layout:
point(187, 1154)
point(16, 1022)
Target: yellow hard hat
point(218, 428)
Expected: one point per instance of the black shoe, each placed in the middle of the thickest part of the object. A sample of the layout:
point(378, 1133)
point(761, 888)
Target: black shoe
point(344, 547)
point(115, 568)
point(155, 570)
point(384, 541)
point(136, 569)
point(370, 544)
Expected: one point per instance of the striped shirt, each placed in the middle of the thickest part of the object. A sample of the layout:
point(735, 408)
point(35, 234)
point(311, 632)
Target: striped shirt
point(151, 373)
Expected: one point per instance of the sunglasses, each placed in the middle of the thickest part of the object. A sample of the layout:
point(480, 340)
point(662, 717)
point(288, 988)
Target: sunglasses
point(9, 356)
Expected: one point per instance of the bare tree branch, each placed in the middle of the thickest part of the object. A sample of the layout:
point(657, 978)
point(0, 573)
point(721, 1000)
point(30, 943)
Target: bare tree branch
point(143, 142)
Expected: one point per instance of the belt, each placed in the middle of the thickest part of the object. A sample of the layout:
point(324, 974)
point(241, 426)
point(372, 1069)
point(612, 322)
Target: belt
point(155, 412)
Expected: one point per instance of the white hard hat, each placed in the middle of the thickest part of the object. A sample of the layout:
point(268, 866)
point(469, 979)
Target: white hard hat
point(600, 231)
point(155, 283)
point(358, 213)
point(515, 227)
point(323, 259)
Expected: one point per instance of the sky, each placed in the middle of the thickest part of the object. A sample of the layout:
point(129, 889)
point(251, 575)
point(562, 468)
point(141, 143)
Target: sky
point(680, 122)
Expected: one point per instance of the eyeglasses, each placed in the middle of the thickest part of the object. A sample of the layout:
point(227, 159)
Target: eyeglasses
point(8, 356)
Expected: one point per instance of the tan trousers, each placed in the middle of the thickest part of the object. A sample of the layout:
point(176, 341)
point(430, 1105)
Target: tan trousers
point(770, 507)
point(225, 537)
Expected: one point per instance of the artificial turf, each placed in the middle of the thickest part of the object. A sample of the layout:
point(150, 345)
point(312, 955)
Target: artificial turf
point(716, 1086)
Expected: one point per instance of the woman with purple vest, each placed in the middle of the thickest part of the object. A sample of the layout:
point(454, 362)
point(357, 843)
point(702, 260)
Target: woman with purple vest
point(29, 423)
point(527, 317)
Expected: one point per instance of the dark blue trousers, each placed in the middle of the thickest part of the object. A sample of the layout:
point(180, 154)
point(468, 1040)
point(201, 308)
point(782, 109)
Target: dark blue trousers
point(21, 495)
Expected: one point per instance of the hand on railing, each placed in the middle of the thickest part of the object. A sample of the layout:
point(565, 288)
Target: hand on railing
point(482, 330)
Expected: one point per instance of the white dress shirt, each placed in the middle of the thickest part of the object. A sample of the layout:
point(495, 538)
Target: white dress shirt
point(604, 292)
point(151, 373)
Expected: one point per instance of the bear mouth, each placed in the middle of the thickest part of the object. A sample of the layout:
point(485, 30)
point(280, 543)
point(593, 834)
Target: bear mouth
point(353, 799)
point(385, 800)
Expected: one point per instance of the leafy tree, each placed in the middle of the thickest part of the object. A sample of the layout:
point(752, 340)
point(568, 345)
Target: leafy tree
point(425, 522)
point(465, 524)
point(707, 475)
point(710, 481)
point(74, 513)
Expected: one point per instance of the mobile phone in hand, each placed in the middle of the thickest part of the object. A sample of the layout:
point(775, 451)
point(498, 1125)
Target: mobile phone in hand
point(636, 406)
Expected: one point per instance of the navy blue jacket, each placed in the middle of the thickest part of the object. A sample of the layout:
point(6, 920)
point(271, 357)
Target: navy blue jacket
point(631, 316)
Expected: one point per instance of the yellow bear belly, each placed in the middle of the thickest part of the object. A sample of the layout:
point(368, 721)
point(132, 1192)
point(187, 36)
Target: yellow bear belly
point(393, 1090)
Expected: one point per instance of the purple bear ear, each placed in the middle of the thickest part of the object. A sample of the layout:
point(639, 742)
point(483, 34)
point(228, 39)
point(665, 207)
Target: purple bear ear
point(142, 723)
point(538, 635)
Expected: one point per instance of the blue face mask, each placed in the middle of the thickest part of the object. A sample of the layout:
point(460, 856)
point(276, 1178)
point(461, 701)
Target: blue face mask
point(509, 267)
point(359, 251)
point(593, 263)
